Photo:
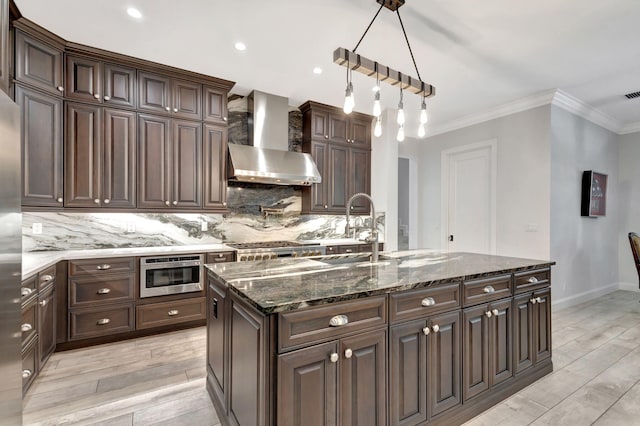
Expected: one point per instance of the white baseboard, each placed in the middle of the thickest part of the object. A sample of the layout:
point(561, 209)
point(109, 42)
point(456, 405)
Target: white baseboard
point(629, 286)
point(582, 297)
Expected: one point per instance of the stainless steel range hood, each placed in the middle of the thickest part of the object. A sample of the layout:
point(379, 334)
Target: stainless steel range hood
point(267, 159)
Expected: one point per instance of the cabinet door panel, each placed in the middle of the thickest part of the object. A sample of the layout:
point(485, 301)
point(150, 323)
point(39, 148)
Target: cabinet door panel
point(4, 45)
point(83, 156)
point(523, 332)
point(41, 130)
point(154, 93)
point(360, 179)
point(501, 343)
point(217, 340)
point(215, 167)
point(408, 374)
point(215, 105)
point(476, 353)
point(38, 64)
point(187, 164)
point(319, 125)
point(187, 100)
point(444, 368)
point(363, 379)
point(154, 174)
point(338, 178)
point(542, 325)
point(360, 132)
point(83, 79)
point(319, 190)
point(337, 128)
point(119, 86)
point(119, 158)
point(307, 387)
point(46, 324)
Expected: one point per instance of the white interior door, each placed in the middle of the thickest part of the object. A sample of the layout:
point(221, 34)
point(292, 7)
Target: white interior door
point(469, 192)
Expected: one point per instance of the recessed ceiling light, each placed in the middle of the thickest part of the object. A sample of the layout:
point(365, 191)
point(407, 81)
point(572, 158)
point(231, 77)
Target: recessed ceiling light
point(240, 46)
point(317, 70)
point(134, 13)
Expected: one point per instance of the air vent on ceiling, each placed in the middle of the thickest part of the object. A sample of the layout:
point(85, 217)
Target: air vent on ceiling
point(633, 95)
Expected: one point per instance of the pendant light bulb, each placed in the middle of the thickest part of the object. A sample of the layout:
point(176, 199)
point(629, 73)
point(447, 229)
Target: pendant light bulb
point(421, 131)
point(348, 99)
point(377, 109)
point(377, 130)
point(400, 114)
point(400, 136)
point(423, 113)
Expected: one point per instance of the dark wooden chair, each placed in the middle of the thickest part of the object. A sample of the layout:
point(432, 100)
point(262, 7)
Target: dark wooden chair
point(634, 240)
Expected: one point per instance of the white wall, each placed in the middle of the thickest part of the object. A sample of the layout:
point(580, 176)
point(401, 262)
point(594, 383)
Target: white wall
point(585, 249)
point(628, 205)
point(523, 181)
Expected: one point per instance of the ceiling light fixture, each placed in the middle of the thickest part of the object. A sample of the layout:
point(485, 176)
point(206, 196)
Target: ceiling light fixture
point(356, 62)
point(134, 13)
point(240, 46)
point(317, 70)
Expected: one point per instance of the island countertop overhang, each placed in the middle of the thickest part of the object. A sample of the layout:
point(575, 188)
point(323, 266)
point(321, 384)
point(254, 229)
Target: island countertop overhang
point(282, 285)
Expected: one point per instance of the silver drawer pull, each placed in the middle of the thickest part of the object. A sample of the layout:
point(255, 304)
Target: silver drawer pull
point(104, 291)
point(103, 267)
point(26, 327)
point(43, 303)
point(103, 321)
point(348, 251)
point(339, 320)
point(26, 291)
point(489, 289)
point(532, 280)
point(428, 301)
point(26, 374)
point(47, 277)
point(173, 312)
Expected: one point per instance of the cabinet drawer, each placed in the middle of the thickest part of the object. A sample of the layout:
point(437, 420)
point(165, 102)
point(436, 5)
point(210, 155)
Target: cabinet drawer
point(487, 289)
point(46, 277)
point(29, 322)
point(28, 288)
point(349, 248)
point(223, 256)
point(532, 280)
point(101, 266)
point(96, 322)
point(159, 314)
point(29, 365)
point(101, 290)
point(419, 303)
point(305, 326)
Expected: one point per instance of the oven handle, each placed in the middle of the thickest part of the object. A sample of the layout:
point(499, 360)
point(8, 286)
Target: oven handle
point(170, 265)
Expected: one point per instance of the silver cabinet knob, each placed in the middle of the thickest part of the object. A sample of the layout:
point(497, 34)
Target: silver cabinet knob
point(348, 353)
point(533, 301)
point(175, 110)
point(167, 203)
point(428, 301)
point(489, 289)
point(495, 312)
point(60, 89)
point(106, 98)
point(26, 374)
point(97, 96)
point(326, 136)
point(47, 278)
point(426, 331)
point(107, 201)
point(488, 314)
point(96, 200)
point(224, 203)
point(103, 267)
point(338, 321)
point(24, 291)
point(43, 303)
point(26, 327)
point(173, 312)
point(103, 321)
point(532, 280)
point(539, 299)
point(59, 199)
point(167, 108)
point(224, 118)
point(175, 203)
point(334, 357)
point(435, 328)
point(326, 207)
point(104, 291)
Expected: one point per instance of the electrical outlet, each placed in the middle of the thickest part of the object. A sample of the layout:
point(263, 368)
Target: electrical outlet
point(131, 227)
point(36, 228)
point(204, 226)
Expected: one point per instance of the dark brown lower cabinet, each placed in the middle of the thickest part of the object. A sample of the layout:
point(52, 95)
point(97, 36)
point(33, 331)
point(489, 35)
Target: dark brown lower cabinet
point(46, 324)
point(532, 329)
point(217, 341)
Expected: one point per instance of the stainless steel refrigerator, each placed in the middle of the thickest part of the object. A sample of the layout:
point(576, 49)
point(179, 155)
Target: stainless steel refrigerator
point(10, 264)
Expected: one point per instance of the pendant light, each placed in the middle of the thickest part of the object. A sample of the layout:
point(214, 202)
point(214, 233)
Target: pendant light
point(400, 135)
point(423, 119)
point(377, 130)
point(400, 117)
point(349, 100)
point(377, 109)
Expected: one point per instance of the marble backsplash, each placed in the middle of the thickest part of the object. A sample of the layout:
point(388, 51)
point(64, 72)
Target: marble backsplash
point(244, 223)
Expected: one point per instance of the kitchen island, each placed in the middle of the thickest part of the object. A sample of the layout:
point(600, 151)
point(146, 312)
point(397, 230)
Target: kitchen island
point(420, 336)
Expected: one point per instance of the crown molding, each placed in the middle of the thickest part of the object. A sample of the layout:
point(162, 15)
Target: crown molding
point(582, 109)
point(630, 128)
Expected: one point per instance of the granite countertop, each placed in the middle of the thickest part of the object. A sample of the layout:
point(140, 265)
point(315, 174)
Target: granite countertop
point(287, 284)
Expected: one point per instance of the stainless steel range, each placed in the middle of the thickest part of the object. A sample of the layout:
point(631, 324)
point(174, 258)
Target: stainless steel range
point(276, 249)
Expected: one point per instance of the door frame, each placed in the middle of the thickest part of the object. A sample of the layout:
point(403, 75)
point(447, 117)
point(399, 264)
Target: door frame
point(413, 199)
point(492, 145)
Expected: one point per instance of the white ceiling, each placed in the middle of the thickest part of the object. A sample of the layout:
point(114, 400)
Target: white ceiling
point(478, 55)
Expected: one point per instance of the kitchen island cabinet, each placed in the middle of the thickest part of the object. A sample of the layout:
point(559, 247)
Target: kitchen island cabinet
point(342, 341)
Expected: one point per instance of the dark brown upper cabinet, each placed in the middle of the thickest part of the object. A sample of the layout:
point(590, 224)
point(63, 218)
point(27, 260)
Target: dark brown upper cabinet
point(360, 179)
point(164, 95)
point(38, 64)
point(41, 131)
point(100, 156)
point(215, 105)
point(4, 45)
point(187, 164)
point(215, 166)
point(91, 80)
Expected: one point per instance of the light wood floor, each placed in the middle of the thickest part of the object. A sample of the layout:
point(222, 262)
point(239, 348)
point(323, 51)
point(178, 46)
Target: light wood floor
point(160, 380)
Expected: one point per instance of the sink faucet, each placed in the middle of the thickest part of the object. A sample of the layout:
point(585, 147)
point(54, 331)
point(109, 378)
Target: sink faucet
point(373, 238)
